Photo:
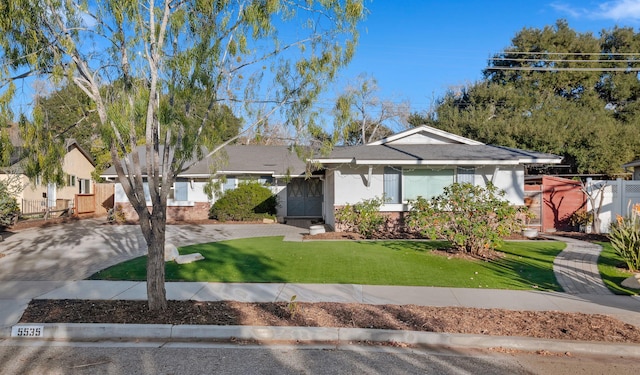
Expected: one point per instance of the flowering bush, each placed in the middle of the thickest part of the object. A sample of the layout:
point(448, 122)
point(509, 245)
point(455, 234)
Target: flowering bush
point(625, 238)
point(363, 217)
point(472, 218)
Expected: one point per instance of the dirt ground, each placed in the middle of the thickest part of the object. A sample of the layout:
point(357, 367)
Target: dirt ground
point(498, 322)
point(548, 324)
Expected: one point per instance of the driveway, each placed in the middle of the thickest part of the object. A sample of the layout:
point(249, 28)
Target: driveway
point(75, 251)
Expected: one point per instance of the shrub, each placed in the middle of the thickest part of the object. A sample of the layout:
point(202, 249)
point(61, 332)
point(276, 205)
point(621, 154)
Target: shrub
point(249, 201)
point(9, 209)
point(363, 217)
point(474, 219)
point(116, 214)
point(625, 238)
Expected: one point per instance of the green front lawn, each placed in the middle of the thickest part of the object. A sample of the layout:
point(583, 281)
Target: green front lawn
point(526, 265)
point(613, 270)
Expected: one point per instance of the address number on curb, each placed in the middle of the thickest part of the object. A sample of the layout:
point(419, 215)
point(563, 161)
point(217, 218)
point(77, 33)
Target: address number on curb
point(27, 331)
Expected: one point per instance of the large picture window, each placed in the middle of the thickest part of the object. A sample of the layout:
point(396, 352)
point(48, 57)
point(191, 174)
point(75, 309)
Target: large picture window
point(426, 183)
point(401, 185)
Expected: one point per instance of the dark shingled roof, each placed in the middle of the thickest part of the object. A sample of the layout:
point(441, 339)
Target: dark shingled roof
point(269, 160)
point(238, 159)
point(437, 152)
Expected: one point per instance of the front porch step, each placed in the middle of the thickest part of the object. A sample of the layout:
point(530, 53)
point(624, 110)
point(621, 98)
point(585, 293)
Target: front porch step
point(302, 222)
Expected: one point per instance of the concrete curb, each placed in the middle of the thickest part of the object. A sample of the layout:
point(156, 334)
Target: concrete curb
point(335, 336)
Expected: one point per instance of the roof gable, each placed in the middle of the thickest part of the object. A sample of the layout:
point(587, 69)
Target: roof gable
point(424, 135)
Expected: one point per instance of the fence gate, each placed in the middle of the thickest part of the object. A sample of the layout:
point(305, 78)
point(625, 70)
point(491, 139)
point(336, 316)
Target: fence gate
point(104, 197)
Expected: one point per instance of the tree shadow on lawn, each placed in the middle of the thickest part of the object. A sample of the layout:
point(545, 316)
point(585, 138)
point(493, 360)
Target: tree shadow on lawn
point(534, 269)
point(225, 263)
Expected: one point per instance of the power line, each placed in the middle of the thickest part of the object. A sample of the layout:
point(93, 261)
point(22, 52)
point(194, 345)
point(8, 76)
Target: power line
point(552, 69)
point(567, 60)
point(570, 53)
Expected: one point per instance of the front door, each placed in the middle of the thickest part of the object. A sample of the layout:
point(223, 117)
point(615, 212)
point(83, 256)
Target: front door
point(304, 197)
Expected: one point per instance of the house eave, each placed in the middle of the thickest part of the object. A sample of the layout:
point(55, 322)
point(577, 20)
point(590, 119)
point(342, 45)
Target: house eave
point(420, 162)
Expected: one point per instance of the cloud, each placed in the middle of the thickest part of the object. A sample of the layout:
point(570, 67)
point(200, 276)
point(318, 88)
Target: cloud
point(569, 10)
point(616, 10)
point(620, 9)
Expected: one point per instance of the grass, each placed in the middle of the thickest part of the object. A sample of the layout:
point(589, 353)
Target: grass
point(613, 270)
point(526, 265)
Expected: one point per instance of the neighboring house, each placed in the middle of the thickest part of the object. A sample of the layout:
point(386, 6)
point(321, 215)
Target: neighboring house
point(419, 161)
point(636, 168)
point(37, 196)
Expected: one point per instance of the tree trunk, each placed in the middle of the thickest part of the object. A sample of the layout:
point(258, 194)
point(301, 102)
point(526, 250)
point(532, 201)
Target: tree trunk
point(156, 293)
point(595, 225)
point(153, 226)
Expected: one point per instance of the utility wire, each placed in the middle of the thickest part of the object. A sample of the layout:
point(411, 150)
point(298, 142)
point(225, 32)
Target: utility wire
point(570, 53)
point(552, 69)
point(568, 60)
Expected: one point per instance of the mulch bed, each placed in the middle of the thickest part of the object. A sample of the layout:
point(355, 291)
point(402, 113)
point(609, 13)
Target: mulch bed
point(499, 322)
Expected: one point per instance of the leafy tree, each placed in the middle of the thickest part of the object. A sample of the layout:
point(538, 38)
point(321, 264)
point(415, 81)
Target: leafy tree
point(555, 90)
point(141, 63)
point(65, 112)
point(5, 147)
point(362, 117)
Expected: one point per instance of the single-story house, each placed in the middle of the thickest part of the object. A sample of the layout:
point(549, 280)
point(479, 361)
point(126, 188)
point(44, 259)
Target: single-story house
point(37, 196)
point(636, 168)
point(419, 161)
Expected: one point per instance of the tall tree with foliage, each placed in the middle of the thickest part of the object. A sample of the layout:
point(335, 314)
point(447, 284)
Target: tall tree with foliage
point(558, 91)
point(361, 116)
point(138, 61)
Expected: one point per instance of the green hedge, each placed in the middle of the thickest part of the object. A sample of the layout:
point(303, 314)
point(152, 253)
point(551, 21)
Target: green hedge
point(249, 201)
point(9, 209)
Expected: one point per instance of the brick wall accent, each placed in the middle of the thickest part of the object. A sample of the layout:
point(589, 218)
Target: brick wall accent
point(199, 211)
point(395, 221)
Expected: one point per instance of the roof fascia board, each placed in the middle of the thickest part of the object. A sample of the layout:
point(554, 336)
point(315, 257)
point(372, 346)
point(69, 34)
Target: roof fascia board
point(428, 129)
point(437, 162)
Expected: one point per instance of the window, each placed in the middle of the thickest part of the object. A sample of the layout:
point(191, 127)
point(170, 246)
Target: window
point(229, 184)
point(466, 175)
point(181, 191)
point(401, 185)
point(72, 180)
point(427, 183)
point(392, 185)
point(84, 186)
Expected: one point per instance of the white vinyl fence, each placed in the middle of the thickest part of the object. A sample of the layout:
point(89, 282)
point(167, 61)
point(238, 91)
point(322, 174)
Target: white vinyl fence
point(619, 196)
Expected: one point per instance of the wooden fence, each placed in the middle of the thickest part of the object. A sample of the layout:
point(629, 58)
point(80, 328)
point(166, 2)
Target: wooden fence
point(41, 207)
point(104, 193)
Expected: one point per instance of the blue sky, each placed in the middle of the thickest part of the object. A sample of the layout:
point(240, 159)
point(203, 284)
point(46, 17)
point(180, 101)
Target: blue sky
point(418, 49)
